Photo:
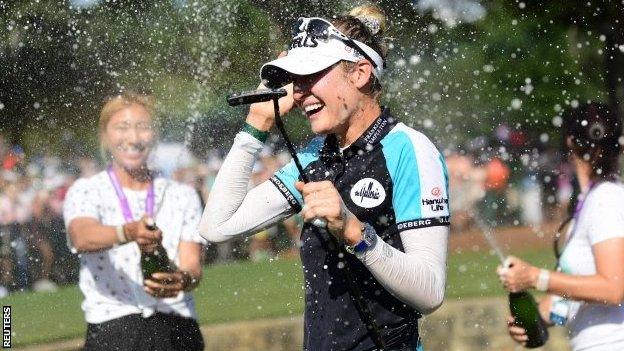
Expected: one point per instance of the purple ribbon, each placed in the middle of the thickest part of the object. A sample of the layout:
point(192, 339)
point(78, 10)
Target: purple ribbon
point(579, 205)
point(123, 200)
point(577, 211)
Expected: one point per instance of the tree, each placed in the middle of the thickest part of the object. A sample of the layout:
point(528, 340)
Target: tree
point(59, 62)
point(592, 22)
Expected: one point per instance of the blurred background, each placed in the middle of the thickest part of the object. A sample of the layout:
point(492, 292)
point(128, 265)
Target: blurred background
point(486, 80)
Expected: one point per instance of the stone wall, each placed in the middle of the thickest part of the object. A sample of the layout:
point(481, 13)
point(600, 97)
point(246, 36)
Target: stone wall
point(459, 325)
point(269, 334)
point(477, 324)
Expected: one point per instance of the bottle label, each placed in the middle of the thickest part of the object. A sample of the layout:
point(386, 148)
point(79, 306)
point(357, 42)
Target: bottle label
point(559, 310)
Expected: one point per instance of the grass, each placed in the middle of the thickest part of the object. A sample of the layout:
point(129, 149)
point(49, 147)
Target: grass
point(239, 291)
point(473, 274)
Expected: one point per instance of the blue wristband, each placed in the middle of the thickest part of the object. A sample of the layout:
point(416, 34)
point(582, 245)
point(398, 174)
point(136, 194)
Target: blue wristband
point(369, 237)
point(361, 246)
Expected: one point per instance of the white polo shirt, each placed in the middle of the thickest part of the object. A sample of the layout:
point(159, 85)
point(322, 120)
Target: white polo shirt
point(595, 326)
point(111, 280)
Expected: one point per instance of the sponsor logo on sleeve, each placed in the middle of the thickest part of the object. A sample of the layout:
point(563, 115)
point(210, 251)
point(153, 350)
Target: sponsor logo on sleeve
point(284, 190)
point(424, 223)
point(437, 203)
point(368, 193)
point(436, 191)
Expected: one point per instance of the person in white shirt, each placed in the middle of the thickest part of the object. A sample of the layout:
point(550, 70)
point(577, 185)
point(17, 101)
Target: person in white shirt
point(587, 289)
point(106, 216)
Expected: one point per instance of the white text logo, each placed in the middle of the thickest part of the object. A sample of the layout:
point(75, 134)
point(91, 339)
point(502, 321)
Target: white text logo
point(368, 193)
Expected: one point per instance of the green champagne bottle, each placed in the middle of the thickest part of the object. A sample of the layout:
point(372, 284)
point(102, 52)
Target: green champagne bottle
point(157, 260)
point(526, 314)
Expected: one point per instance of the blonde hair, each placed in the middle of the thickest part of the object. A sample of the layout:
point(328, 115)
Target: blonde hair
point(373, 17)
point(368, 24)
point(119, 102)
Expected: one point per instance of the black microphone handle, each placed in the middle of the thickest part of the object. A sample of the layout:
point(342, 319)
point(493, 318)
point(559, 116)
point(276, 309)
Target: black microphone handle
point(254, 96)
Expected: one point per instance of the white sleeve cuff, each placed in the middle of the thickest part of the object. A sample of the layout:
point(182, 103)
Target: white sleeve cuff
point(248, 143)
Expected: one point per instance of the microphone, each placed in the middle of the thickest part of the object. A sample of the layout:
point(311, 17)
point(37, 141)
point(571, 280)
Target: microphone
point(262, 95)
point(251, 97)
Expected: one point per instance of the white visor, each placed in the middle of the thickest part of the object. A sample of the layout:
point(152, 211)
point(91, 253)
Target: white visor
point(309, 55)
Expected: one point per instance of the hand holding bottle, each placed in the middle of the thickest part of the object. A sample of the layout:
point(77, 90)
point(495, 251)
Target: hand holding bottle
point(139, 232)
point(518, 334)
point(163, 284)
point(517, 275)
point(155, 259)
point(526, 325)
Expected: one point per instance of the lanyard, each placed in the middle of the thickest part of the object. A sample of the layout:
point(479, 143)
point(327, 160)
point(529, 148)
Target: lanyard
point(577, 210)
point(123, 200)
point(573, 222)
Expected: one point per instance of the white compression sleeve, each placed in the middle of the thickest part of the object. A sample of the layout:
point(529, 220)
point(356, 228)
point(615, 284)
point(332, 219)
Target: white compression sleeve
point(416, 276)
point(233, 210)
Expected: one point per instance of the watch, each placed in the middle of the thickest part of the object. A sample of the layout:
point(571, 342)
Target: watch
point(369, 237)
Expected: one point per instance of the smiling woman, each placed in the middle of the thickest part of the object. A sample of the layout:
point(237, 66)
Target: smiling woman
point(373, 180)
point(127, 120)
point(107, 218)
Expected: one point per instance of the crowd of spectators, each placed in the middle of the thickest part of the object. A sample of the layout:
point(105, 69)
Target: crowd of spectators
point(507, 181)
point(502, 185)
point(33, 250)
point(33, 253)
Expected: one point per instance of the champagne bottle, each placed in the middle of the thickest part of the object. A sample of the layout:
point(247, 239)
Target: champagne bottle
point(157, 260)
point(526, 314)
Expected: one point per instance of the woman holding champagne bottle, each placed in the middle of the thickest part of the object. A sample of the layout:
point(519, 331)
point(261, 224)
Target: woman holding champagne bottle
point(120, 220)
point(587, 288)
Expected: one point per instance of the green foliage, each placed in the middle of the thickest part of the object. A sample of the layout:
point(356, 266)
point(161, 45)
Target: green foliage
point(536, 62)
point(64, 61)
point(519, 66)
point(510, 67)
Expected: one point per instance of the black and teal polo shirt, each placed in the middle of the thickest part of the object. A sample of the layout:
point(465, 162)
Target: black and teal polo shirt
point(394, 179)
